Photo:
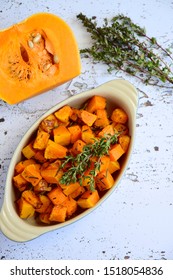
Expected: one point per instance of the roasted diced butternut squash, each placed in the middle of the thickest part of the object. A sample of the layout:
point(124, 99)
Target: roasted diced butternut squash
point(116, 152)
point(25, 209)
point(39, 156)
point(28, 151)
point(96, 103)
point(57, 196)
point(68, 189)
point(54, 150)
point(71, 206)
point(64, 113)
point(42, 186)
point(75, 133)
point(119, 116)
point(107, 130)
point(62, 135)
point(124, 141)
point(20, 183)
point(87, 134)
point(32, 198)
point(45, 203)
point(104, 180)
point(87, 117)
point(22, 164)
point(80, 190)
point(104, 163)
point(102, 118)
point(31, 173)
point(78, 147)
point(41, 140)
point(73, 146)
point(88, 199)
point(121, 129)
point(52, 174)
point(49, 123)
point(113, 166)
point(44, 217)
point(58, 213)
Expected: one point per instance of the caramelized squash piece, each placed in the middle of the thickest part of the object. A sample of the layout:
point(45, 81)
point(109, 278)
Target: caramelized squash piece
point(54, 150)
point(96, 103)
point(25, 209)
point(104, 180)
point(88, 199)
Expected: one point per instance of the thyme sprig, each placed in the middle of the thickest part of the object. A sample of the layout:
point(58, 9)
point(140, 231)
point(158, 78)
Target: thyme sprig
point(81, 162)
point(124, 45)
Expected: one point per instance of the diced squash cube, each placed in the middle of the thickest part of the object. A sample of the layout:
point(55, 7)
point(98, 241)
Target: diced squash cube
point(22, 164)
point(58, 214)
point(107, 130)
point(54, 150)
point(41, 140)
point(49, 123)
point(31, 173)
point(79, 191)
point(102, 118)
point(45, 203)
point(28, 151)
point(31, 198)
point(116, 152)
point(39, 156)
point(104, 180)
point(121, 129)
point(52, 173)
point(87, 117)
point(44, 217)
point(88, 199)
point(75, 132)
point(96, 103)
point(57, 196)
point(87, 135)
point(113, 166)
point(68, 189)
point(75, 114)
point(64, 113)
point(62, 135)
point(124, 141)
point(87, 177)
point(71, 206)
point(25, 209)
point(104, 160)
point(78, 147)
point(42, 186)
point(19, 182)
point(119, 116)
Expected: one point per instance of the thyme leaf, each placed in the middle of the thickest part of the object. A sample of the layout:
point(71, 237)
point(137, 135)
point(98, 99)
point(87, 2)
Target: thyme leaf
point(81, 162)
point(124, 45)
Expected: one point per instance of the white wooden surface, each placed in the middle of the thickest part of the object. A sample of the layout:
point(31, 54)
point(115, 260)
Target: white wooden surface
point(136, 222)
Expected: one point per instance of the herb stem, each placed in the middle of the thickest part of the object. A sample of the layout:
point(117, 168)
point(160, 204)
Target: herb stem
point(125, 46)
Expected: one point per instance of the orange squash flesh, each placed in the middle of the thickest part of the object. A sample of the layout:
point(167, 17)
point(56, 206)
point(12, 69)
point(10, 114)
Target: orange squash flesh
point(37, 55)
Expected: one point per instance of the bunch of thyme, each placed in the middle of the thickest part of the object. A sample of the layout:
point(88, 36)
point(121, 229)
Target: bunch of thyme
point(125, 46)
point(81, 162)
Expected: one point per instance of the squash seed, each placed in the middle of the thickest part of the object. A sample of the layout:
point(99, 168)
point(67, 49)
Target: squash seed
point(47, 66)
point(30, 44)
point(37, 38)
point(55, 59)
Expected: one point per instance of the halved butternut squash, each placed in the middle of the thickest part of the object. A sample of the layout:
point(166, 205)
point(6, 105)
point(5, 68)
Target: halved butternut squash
point(37, 54)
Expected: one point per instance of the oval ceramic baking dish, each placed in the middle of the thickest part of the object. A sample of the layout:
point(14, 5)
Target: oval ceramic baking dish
point(117, 92)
